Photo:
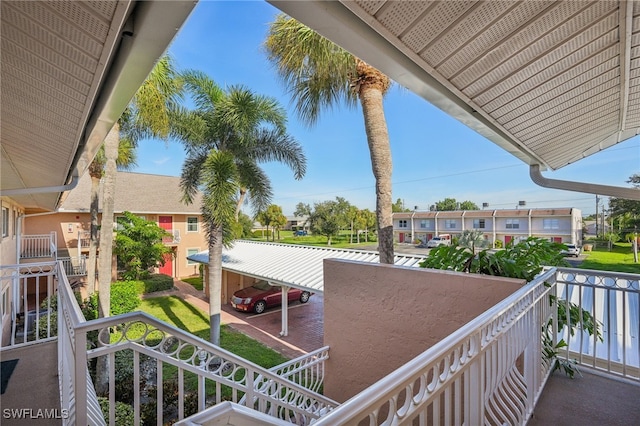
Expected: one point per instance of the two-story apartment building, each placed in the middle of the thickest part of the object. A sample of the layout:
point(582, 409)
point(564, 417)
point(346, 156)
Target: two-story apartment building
point(563, 225)
point(153, 197)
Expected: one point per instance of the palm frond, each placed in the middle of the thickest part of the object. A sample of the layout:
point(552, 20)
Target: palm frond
point(205, 92)
point(272, 145)
point(257, 184)
point(190, 176)
point(318, 73)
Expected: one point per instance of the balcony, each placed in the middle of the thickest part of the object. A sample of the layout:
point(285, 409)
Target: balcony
point(172, 239)
point(487, 372)
point(38, 246)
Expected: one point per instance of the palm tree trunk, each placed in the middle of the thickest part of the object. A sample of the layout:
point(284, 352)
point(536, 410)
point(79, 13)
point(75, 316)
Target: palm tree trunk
point(215, 283)
point(106, 248)
point(380, 151)
point(243, 193)
point(106, 230)
point(93, 234)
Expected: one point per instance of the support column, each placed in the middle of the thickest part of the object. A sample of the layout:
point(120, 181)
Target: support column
point(285, 311)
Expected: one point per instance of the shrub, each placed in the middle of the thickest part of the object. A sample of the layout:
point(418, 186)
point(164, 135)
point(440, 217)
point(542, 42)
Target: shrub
point(124, 412)
point(157, 282)
point(124, 297)
point(497, 244)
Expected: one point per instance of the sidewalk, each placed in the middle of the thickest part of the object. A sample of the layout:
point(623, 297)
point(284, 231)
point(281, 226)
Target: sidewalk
point(305, 321)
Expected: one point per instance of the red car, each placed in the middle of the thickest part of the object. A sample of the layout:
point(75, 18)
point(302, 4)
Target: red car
point(262, 295)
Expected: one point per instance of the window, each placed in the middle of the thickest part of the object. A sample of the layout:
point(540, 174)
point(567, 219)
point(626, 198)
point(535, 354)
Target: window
point(478, 224)
point(425, 223)
point(192, 224)
point(402, 223)
point(5, 222)
point(450, 224)
point(191, 252)
point(550, 224)
point(513, 223)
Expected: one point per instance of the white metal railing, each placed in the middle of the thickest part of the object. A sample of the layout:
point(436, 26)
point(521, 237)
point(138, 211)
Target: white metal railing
point(488, 372)
point(156, 347)
point(74, 266)
point(161, 354)
point(613, 299)
point(307, 370)
point(38, 246)
point(84, 239)
point(28, 288)
point(77, 394)
point(174, 238)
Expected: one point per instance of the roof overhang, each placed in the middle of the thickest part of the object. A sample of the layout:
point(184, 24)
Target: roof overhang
point(69, 69)
point(550, 82)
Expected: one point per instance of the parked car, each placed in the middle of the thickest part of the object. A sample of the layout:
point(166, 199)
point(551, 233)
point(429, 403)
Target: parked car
point(262, 295)
point(571, 250)
point(440, 240)
point(300, 233)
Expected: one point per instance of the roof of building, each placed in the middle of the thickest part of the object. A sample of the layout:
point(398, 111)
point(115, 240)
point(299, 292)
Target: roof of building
point(292, 265)
point(443, 214)
point(136, 193)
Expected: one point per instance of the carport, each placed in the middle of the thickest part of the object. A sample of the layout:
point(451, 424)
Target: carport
point(288, 266)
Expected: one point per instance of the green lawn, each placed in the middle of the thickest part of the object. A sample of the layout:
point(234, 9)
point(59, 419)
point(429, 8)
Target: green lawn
point(183, 315)
point(619, 259)
point(341, 241)
point(196, 282)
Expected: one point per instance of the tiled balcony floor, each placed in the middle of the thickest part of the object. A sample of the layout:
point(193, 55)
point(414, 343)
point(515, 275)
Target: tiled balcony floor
point(32, 386)
point(590, 400)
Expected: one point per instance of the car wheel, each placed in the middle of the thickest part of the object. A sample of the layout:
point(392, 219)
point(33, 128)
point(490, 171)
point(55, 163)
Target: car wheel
point(259, 307)
point(304, 297)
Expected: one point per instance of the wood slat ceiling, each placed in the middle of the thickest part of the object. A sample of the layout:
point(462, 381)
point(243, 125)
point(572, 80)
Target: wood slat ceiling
point(550, 81)
point(68, 70)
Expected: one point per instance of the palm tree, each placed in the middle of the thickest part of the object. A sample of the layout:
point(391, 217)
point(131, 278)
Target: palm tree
point(125, 161)
point(319, 75)
point(148, 115)
point(226, 137)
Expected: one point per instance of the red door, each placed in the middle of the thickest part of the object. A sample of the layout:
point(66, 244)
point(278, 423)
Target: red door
point(166, 222)
point(507, 239)
point(401, 237)
point(167, 268)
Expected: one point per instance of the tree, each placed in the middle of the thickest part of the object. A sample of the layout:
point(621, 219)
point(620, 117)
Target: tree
point(398, 206)
point(626, 211)
point(327, 218)
point(368, 219)
point(302, 209)
point(243, 227)
point(226, 136)
point(273, 216)
point(472, 239)
point(139, 246)
point(147, 115)
point(468, 205)
point(319, 75)
point(126, 160)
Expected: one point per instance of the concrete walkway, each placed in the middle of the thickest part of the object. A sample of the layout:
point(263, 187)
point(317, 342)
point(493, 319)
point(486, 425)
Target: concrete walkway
point(305, 321)
point(589, 399)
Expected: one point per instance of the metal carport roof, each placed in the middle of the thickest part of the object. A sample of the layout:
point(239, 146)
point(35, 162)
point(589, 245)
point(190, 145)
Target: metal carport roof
point(291, 265)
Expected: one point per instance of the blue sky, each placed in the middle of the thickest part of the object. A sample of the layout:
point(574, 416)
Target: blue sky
point(434, 156)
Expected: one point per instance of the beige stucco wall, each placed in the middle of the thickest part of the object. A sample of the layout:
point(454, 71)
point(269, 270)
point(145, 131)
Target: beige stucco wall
point(67, 226)
point(378, 317)
point(8, 247)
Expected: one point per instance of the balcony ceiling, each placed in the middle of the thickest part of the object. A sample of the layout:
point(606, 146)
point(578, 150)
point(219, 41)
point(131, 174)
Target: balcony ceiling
point(68, 69)
point(551, 82)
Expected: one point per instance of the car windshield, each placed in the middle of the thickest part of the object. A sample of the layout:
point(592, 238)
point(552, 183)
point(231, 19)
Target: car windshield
point(261, 285)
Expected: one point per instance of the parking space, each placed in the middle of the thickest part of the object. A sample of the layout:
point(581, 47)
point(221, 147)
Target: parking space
point(305, 326)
